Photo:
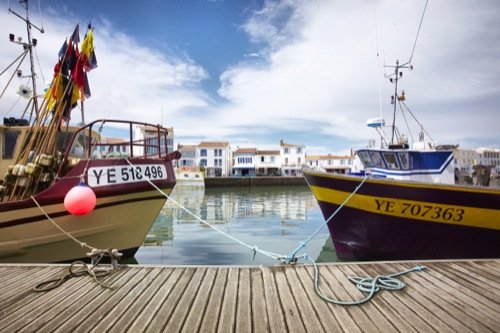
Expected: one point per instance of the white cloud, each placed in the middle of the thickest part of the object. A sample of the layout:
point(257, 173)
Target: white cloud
point(131, 82)
point(326, 69)
point(314, 76)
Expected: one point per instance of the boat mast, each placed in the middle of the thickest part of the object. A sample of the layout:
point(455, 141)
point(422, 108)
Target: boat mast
point(394, 78)
point(31, 43)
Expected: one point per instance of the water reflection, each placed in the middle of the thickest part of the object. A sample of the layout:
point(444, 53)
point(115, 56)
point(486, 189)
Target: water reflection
point(275, 219)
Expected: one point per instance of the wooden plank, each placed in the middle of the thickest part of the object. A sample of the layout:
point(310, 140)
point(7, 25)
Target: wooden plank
point(329, 286)
point(375, 310)
point(196, 313)
point(68, 306)
point(227, 317)
point(181, 311)
point(21, 306)
point(97, 301)
point(168, 306)
point(309, 317)
point(426, 295)
point(459, 301)
point(27, 279)
point(422, 314)
point(289, 307)
point(117, 309)
point(260, 321)
point(327, 313)
point(273, 304)
point(244, 303)
point(151, 310)
point(343, 290)
point(472, 280)
point(399, 313)
point(211, 319)
point(134, 309)
point(447, 297)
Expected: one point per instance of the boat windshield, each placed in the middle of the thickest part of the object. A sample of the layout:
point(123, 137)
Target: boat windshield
point(405, 161)
point(390, 160)
point(377, 159)
point(365, 159)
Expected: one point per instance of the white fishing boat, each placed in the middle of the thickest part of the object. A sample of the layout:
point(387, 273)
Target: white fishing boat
point(43, 158)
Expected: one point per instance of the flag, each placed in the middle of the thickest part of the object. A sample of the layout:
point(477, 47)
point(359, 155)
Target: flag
point(89, 59)
point(77, 72)
point(62, 51)
point(75, 37)
point(86, 88)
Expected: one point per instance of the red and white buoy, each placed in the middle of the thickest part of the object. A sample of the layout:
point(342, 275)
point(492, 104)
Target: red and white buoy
point(80, 200)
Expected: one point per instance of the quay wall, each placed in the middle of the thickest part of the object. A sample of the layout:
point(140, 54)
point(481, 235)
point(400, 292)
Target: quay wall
point(253, 181)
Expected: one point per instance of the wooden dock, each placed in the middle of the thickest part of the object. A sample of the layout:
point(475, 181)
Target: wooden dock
point(449, 296)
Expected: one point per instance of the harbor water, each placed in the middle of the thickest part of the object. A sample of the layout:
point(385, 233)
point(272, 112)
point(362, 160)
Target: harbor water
point(275, 219)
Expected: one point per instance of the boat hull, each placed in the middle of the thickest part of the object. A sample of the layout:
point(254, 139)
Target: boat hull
point(123, 215)
point(391, 220)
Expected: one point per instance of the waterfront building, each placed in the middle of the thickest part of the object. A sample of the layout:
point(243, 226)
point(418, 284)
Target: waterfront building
point(330, 163)
point(150, 137)
point(268, 163)
point(293, 158)
point(466, 158)
point(115, 147)
point(188, 156)
point(244, 160)
point(215, 158)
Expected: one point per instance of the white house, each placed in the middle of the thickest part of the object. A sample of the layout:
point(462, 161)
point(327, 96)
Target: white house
point(188, 156)
point(465, 159)
point(268, 163)
point(215, 158)
point(244, 160)
point(330, 163)
point(150, 136)
point(293, 157)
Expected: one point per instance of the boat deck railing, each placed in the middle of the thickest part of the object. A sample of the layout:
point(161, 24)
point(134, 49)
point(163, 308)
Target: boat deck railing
point(140, 140)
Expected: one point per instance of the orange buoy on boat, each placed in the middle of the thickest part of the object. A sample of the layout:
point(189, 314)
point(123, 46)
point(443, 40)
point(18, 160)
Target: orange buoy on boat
point(80, 200)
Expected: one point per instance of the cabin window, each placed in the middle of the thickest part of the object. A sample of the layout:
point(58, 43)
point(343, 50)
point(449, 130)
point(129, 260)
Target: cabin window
point(9, 142)
point(365, 159)
point(405, 161)
point(390, 159)
point(377, 159)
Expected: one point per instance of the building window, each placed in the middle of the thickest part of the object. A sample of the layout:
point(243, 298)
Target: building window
point(299, 150)
point(203, 162)
point(287, 150)
point(203, 153)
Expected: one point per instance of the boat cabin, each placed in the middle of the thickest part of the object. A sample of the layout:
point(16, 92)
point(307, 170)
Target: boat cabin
point(408, 164)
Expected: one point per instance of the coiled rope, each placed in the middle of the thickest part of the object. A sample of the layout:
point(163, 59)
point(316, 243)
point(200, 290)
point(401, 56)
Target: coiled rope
point(370, 285)
point(83, 269)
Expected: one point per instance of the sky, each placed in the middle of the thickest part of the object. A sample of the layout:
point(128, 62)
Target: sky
point(253, 72)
